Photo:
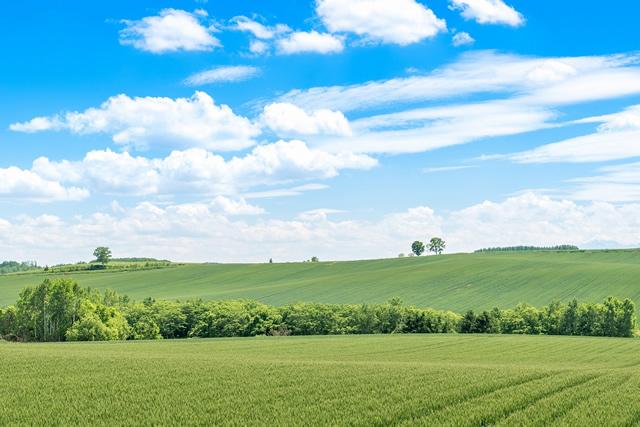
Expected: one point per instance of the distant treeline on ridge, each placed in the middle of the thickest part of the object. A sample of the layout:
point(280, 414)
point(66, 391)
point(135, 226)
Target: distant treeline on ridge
point(530, 248)
point(16, 267)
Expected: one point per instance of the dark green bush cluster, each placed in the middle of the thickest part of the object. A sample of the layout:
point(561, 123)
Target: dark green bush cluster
point(612, 318)
point(60, 310)
point(530, 248)
point(117, 266)
point(16, 267)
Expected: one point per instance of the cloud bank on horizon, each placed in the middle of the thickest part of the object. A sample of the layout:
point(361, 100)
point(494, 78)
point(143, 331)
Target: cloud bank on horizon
point(345, 130)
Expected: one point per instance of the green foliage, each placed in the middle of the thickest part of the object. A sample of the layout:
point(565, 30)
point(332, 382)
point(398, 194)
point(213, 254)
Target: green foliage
point(529, 248)
point(7, 267)
point(379, 380)
point(102, 254)
point(417, 248)
point(436, 245)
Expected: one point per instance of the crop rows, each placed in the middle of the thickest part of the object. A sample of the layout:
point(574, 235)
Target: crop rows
point(354, 380)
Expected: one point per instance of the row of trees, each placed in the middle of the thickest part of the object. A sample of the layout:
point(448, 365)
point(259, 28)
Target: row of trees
point(60, 310)
point(435, 245)
point(15, 266)
point(529, 248)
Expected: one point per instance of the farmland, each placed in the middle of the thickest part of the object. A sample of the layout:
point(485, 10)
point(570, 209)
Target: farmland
point(356, 380)
point(450, 282)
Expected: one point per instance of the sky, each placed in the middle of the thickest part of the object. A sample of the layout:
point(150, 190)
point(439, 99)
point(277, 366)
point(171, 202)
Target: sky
point(228, 131)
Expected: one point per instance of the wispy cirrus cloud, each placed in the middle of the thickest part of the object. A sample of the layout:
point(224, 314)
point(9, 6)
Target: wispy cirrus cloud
point(223, 74)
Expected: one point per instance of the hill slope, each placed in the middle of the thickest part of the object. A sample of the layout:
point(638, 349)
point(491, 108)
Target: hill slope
point(456, 282)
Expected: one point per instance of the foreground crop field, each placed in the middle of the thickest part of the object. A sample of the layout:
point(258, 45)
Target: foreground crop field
point(451, 282)
point(355, 380)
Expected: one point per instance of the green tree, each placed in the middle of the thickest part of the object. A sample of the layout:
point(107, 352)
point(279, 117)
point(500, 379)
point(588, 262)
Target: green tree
point(45, 312)
point(436, 245)
point(102, 254)
point(417, 248)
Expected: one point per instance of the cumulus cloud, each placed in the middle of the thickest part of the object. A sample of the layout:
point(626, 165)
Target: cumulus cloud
point(223, 74)
point(197, 171)
point(400, 22)
point(171, 30)
point(309, 42)
point(238, 206)
point(260, 31)
point(20, 184)
point(462, 39)
point(287, 119)
point(179, 231)
point(144, 122)
point(488, 12)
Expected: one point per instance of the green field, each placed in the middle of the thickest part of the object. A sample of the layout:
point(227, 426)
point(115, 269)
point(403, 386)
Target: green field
point(453, 282)
point(346, 380)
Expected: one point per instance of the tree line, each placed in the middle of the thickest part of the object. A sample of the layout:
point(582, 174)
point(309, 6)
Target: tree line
point(61, 310)
point(16, 267)
point(529, 248)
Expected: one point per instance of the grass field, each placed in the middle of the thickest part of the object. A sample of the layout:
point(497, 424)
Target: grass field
point(455, 282)
point(346, 380)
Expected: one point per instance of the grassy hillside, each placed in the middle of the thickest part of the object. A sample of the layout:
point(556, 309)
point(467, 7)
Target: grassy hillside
point(456, 282)
point(353, 380)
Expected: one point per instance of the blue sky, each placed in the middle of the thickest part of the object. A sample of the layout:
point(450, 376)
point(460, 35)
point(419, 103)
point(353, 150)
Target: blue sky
point(240, 131)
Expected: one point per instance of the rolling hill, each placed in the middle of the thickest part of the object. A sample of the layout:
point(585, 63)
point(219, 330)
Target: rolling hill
point(457, 282)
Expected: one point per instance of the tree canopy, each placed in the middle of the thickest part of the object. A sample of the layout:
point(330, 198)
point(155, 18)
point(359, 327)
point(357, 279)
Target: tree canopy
point(436, 245)
point(417, 248)
point(102, 254)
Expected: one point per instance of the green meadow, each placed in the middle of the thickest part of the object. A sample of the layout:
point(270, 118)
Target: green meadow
point(461, 380)
point(451, 282)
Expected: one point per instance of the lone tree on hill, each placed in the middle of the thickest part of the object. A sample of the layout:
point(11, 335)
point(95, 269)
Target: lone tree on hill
point(102, 254)
point(417, 247)
point(437, 245)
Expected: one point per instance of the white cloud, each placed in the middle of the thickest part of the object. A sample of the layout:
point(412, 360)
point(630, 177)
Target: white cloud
point(223, 74)
point(618, 137)
point(260, 31)
point(619, 183)
point(447, 168)
point(287, 119)
point(20, 184)
point(285, 192)
point(171, 30)
point(309, 42)
point(462, 39)
point(237, 206)
point(555, 81)
point(258, 47)
point(400, 21)
point(523, 94)
point(198, 172)
point(488, 12)
point(143, 122)
point(180, 231)
point(431, 128)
